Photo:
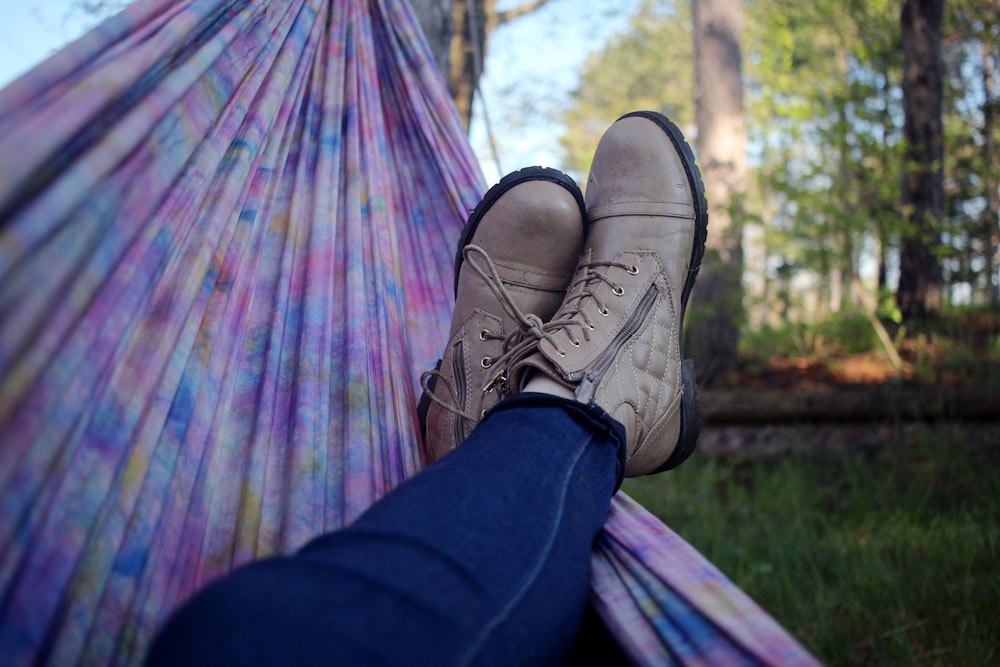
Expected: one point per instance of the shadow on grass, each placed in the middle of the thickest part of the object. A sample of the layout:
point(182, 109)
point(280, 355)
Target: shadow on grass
point(889, 556)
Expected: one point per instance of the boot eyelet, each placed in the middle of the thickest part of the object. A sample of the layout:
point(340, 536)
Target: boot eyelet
point(604, 312)
point(483, 334)
point(632, 270)
point(560, 353)
point(575, 343)
point(482, 414)
point(617, 290)
point(486, 362)
point(590, 325)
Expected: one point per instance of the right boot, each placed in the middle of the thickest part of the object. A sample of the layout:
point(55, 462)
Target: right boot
point(515, 257)
point(616, 339)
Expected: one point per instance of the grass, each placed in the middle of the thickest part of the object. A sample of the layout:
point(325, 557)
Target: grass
point(882, 557)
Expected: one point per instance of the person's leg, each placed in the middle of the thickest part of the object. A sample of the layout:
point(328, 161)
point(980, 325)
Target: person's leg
point(483, 558)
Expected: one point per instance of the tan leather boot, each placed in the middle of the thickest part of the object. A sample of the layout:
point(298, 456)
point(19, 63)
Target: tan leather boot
point(616, 339)
point(515, 258)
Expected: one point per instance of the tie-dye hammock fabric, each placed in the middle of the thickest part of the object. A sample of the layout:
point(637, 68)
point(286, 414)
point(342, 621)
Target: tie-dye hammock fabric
point(226, 237)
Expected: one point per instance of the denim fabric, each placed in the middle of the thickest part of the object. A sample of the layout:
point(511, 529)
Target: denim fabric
point(481, 559)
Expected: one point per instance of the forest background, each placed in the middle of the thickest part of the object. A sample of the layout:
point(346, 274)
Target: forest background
point(846, 324)
point(868, 254)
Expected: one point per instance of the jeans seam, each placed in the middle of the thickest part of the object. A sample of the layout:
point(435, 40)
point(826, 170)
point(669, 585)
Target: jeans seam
point(487, 632)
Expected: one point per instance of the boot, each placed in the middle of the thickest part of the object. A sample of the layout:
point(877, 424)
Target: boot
point(616, 339)
point(515, 258)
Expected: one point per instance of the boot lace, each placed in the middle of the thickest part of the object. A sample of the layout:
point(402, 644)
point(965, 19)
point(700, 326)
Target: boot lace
point(575, 309)
point(573, 313)
point(524, 337)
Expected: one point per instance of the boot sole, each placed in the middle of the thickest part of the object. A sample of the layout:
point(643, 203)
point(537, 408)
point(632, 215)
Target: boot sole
point(506, 183)
point(690, 415)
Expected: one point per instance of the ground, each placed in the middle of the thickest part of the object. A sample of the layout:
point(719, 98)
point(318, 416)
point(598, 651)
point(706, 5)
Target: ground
point(961, 353)
point(960, 350)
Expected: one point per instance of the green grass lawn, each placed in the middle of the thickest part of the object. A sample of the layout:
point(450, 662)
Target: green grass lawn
point(880, 557)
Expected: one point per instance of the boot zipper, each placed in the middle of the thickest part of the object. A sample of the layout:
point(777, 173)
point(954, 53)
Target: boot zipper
point(590, 377)
point(458, 366)
point(499, 382)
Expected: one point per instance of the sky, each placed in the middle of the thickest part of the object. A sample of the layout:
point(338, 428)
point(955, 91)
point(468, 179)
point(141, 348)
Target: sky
point(533, 63)
point(31, 30)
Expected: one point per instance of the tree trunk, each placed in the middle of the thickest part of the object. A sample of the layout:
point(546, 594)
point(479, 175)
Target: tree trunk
point(457, 31)
point(881, 225)
point(437, 21)
point(468, 52)
point(823, 291)
point(990, 179)
point(846, 189)
point(920, 278)
point(713, 332)
point(846, 404)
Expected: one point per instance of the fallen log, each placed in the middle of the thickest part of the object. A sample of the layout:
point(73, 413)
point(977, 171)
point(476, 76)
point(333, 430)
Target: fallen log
point(766, 441)
point(848, 404)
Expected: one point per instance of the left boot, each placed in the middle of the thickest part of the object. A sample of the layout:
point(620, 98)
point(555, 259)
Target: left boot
point(515, 258)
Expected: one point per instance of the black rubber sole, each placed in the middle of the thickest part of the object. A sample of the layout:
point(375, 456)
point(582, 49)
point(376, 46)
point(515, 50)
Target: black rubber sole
point(506, 183)
point(690, 415)
point(422, 407)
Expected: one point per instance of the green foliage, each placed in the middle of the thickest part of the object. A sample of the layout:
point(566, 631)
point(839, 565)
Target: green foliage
point(888, 309)
point(792, 339)
point(972, 138)
point(852, 331)
point(847, 332)
point(869, 557)
point(823, 102)
point(650, 66)
point(959, 347)
point(824, 87)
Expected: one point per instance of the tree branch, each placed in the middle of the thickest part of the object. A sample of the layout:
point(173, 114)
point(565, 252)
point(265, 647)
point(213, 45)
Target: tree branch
point(526, 8)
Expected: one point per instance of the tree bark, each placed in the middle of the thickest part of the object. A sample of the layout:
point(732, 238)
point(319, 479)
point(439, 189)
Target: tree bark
point(468, 52)
point(919, 294)
point(437, 21)
point(992, 213)
point(885, 116)
point(457, 31)
point(713, 331)
point(745, 406)
point(747, 442)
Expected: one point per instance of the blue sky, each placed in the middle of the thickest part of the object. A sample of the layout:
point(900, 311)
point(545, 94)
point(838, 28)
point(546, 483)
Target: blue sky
point(532, 65)
point(30, 30)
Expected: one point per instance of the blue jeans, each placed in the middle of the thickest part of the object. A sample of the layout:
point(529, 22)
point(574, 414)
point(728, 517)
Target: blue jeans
point(481, 559)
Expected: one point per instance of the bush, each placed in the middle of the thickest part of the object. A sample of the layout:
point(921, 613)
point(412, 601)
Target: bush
point(792, 339)
point(851, 331)
point(848, 332)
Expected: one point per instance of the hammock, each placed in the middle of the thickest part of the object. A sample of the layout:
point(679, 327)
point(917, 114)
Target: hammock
point(226, 240)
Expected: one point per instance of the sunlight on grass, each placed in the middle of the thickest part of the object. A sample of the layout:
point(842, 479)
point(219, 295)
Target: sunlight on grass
point(881, 558)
